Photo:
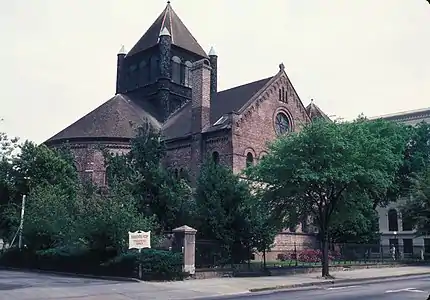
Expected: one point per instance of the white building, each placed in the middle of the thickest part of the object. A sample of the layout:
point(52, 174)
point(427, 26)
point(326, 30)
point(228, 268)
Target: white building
point(394, 231)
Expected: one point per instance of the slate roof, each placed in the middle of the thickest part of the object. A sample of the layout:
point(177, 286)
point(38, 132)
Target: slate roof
point(116, 118)
point(225, 102)
point(315, 112)
point(181, 36)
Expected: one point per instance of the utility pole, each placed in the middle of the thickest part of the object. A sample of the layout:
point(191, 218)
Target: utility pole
point(21, 223)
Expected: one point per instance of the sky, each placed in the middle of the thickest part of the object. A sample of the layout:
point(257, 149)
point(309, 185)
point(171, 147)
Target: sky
point(58, 57)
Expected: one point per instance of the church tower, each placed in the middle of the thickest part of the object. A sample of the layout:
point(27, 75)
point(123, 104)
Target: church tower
point(157, 69)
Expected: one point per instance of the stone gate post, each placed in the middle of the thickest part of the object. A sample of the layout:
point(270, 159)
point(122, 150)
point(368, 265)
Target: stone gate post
point(185, 238)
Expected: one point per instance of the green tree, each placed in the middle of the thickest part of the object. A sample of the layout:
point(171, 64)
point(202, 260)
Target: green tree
point(312, 171)
point(223, 209)
point(156, 190)
point(355, 222)
point(416, 210)
point(104, 220)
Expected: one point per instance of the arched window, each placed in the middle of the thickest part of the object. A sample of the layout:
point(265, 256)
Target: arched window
point(393, 224)
point(283, 94)
point(215, 157)
point(280, 95)
point(249, 159)
point(282, 124)
point(154, 69)
point(176, 69)
point(187, 73)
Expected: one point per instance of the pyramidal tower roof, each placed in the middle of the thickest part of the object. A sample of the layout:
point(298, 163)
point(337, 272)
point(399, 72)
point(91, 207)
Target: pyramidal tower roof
point(181, 36)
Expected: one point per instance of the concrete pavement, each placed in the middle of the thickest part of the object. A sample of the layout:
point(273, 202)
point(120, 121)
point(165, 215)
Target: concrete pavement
point(37, 286)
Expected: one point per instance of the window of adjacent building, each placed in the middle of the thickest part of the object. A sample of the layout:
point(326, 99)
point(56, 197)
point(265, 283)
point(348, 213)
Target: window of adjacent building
point(176, 173)
point(408, 246)
point(393, 222)
point(426, 245)
point(249, 159)
point(406, 224)
point(176, 69)
point(187, 73)
point(215, 157)
point(282, 124)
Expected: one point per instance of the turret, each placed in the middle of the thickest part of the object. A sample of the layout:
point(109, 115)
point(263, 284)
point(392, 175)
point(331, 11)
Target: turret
point(213, 58)
point(119, 68)
point(165, 45)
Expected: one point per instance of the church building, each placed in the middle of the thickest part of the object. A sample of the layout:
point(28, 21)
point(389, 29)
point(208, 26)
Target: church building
point(168, 80)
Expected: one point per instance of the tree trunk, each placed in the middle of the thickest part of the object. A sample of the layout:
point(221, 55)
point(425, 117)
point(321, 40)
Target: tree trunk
point(325, 250)
point(264, 260)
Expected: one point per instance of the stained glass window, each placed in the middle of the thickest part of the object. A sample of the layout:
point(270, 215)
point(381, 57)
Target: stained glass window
point(282, 124)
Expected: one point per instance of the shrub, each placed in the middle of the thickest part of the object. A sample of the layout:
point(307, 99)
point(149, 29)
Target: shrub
point(311, 255)
point(156, 264)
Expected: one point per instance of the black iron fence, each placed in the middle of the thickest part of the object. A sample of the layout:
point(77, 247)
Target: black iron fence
point(212, 254)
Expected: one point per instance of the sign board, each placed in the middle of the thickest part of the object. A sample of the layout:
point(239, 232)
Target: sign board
point(139, 239)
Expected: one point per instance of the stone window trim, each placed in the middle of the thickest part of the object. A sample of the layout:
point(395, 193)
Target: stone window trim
point(285, 111)
point(249, 150)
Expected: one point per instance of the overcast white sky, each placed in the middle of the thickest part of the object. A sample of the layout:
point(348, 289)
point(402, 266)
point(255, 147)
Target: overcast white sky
point(58, 57)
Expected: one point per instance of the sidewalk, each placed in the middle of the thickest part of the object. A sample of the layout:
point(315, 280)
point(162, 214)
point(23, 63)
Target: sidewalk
point(223, 286)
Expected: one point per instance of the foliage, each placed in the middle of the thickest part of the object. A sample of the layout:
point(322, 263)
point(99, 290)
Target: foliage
point(416, 210)
point(156, 264)
point(224, 209)
point(312, 172)
point(47, 176)
point(155, 190)
point(103, 221)
point(416, 160)
point(355, 221)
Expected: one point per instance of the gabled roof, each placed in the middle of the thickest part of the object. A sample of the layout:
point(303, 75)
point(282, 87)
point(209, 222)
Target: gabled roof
point(315, 112)
point(181, 36)
point(117, 118)
point(224, 102)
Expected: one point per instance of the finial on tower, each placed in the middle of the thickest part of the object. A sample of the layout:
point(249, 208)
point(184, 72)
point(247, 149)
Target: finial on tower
point(312, 100)
point(122, 50)
point(165, 32)
point(212, 52)
point(281, 67)
point(168, 2)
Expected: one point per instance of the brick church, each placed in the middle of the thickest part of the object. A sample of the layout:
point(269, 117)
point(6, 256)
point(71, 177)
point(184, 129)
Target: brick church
point(168, 80)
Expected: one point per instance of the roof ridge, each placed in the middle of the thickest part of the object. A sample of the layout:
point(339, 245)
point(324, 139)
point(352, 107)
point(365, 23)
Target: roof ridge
point(242, 85)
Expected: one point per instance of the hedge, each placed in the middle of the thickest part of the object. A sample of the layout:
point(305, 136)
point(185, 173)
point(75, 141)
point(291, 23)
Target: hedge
point(156, 264)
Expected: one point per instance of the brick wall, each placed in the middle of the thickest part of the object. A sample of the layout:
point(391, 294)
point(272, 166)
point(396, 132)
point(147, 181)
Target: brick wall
point(254, 128)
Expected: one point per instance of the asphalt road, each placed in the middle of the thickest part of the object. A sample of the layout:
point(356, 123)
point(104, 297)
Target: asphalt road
point(35, 286)
point(406, 288)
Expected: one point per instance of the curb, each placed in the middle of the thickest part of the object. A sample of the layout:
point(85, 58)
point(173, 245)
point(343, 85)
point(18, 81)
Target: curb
point(65, 274)
point(329, 282)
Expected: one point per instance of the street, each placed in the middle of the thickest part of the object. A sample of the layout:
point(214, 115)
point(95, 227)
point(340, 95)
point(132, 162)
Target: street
point(37, 286)
point(406, 288)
